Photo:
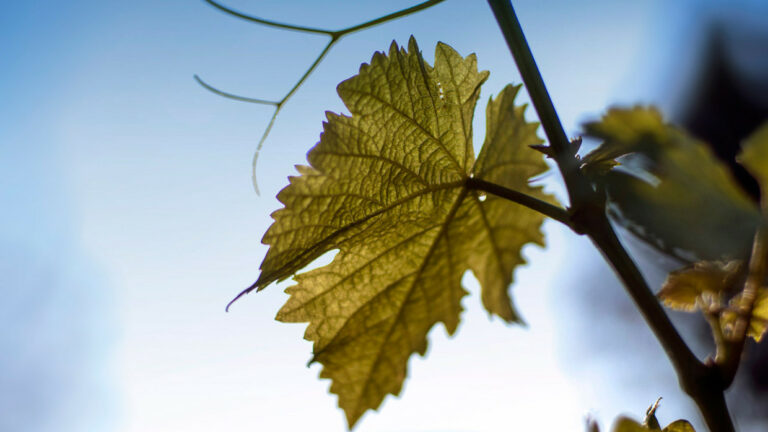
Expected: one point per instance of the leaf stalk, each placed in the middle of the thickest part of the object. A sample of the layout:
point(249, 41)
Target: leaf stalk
point(543, 207)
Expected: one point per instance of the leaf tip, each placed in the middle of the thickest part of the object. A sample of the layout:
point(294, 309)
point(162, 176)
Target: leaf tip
point(413, 46)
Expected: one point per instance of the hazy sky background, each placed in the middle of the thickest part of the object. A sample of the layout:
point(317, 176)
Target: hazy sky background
point(128, 219)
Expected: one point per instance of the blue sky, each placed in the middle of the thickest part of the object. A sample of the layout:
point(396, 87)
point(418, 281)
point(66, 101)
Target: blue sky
point(129, 219)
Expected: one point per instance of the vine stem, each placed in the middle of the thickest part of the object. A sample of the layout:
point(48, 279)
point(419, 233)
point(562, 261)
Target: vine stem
point(701, 382)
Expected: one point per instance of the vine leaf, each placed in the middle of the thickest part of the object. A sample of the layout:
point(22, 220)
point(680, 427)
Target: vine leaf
point(670, 189)
point(754, 157)
point(704, 282)
point(651, 424)
point(625, 424)
point(758, 322)
point(625, 131)
point(679, 426)
point(387, 188)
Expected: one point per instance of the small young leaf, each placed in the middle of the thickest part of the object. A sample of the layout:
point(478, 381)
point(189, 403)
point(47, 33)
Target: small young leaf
point(686, 288)
point(626, 131)
point(758, 322)
point(625, 424)
point(679, 426)
point(754, 157)
point(675, 194)
point(387, 189)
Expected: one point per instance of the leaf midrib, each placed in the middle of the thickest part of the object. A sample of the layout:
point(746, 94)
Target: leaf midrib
point(448, 219)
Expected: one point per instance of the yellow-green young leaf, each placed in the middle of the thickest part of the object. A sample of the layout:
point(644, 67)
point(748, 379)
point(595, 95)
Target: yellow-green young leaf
point(386, 187)
point(759, 321)
point(754, 157)
point(679, 426)
point(685, 288)
point(625, 131)
point(671, 190)
point(625, 424)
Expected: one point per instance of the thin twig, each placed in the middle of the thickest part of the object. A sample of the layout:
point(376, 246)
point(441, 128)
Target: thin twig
point(316, 30)
point(335, 36)
point(390, 17)
point(267, 22)
point(233, 96)
point(312, 67)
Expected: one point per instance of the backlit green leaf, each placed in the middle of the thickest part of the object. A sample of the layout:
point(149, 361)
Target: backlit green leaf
point(679, 426)
point(670, 189)
point(754, 157)
point(700, 283)
point(386, 187)
point(758, 323)
point(625, 424)
point(625, 131)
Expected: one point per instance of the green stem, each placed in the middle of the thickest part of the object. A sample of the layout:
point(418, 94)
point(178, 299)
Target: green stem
point(578, 189)
point(588, 217)
point(543, 207)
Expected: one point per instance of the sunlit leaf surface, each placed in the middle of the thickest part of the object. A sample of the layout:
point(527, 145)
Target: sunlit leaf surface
point(691, 286)
point(758, 322)
point(754, 157)
point(386, 188)
point(625, 424)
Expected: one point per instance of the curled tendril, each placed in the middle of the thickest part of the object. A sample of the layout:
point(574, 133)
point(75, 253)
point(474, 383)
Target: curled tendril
point(335, 36)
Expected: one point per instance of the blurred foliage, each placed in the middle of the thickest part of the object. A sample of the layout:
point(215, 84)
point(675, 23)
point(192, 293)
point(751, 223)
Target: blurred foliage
point(670, 189)
point(677, 195)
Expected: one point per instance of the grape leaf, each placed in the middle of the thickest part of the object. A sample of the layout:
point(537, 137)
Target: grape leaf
point(625, 424)
point(387, 188)
point(758, 322)
point(625, 131)
point(679, 426)
point(671, 191)
point(701, 283)
point(754, 157)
